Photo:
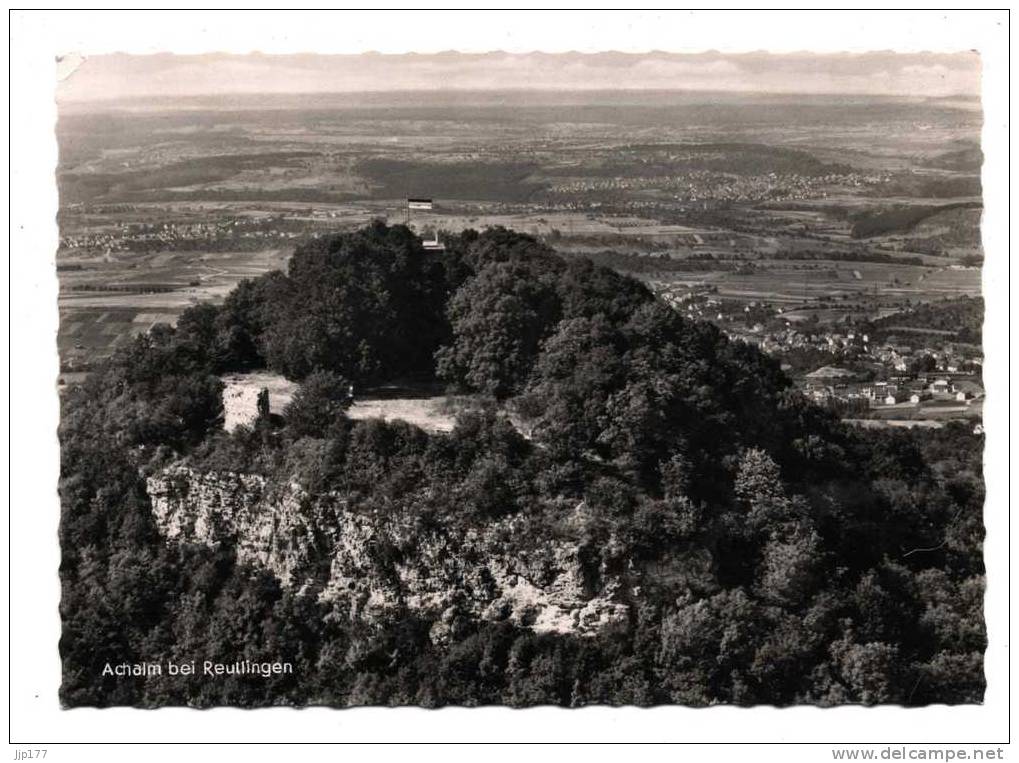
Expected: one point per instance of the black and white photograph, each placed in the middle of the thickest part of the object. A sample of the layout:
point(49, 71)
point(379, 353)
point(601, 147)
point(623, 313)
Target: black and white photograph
point(467, 378)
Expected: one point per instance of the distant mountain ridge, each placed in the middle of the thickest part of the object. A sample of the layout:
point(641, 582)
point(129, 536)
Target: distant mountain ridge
point(165, 75)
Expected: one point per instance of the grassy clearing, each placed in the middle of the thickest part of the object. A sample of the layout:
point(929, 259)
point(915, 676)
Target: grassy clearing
point(435, 413)
point(430, 413)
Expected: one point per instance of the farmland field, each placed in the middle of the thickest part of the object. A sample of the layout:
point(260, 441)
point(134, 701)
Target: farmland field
point(820, 287)
point(105, 303)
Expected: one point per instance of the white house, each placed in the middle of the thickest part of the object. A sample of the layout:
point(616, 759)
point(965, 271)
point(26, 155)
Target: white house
point(967, 390)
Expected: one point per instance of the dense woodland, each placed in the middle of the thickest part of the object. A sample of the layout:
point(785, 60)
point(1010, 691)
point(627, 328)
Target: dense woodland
point(846, 565)
point(960, 318)
point(898, 219)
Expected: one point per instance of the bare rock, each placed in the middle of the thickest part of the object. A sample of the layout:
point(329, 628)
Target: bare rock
point(372, 568)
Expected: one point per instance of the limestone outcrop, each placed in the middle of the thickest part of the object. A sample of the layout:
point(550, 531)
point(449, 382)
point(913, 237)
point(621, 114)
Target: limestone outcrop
point(372, 566)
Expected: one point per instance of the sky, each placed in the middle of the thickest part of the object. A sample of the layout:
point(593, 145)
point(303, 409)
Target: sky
point(117, 76)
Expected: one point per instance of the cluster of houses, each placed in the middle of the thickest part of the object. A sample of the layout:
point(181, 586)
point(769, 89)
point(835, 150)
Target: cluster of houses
point(896, 357)
point(934, 379)
point(128, 236)
point(839, 388)
point(697, 185)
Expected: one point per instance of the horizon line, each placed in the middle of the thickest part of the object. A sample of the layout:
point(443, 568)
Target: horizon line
point(449, 90)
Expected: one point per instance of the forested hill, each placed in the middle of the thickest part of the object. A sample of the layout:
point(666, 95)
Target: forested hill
point(961, 318)
point(833, 565)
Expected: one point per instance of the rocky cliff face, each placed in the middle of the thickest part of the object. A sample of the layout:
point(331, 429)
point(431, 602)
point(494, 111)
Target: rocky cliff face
point(370, 566)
